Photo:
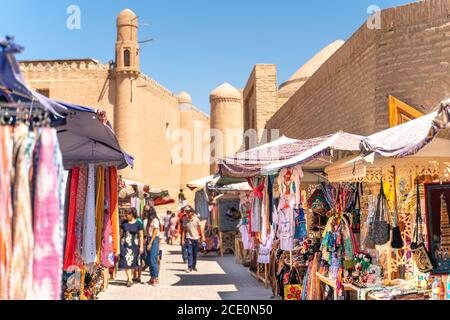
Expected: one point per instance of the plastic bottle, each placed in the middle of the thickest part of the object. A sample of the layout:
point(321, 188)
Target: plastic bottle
point(435, 289)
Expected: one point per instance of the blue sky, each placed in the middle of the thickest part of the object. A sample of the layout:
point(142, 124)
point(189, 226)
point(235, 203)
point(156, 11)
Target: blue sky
point(198, 44)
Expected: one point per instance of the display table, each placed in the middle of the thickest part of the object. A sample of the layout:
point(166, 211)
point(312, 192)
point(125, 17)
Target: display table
point(262, 274)
point(332, 283)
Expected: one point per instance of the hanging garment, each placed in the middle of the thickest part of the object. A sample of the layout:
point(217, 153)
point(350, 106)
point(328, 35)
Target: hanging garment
point(89, 228)
point(99, 209)
point(79, 216)
point(300, 225)
point(107, 255)
point(257, 184)
point(47, 268)
point(114, 211)
point(22, 222)
point(71, 240)
point(286, 227)
point(245, 236)
point(6, 151)
point(265, 249)
point(289, 183)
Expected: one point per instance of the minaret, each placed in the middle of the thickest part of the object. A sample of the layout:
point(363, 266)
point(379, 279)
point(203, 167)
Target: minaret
point(127, 70)
point(227, 119)
point(445, 228)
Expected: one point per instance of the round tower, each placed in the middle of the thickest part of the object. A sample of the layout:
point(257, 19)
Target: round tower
point(227, 122)
point(126, 113)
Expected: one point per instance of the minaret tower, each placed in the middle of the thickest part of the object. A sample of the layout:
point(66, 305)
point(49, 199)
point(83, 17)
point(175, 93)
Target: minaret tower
point(127, 70)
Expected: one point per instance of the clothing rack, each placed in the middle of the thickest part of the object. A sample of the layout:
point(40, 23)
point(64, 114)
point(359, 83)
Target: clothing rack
point(29, 112)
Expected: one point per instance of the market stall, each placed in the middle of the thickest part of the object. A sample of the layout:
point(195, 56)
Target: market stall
point(52, 229)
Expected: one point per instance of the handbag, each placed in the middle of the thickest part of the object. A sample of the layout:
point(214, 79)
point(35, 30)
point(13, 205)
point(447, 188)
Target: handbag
point(421, 256)
point(397, 241)
point(381, 233)
point(293, 289)
point(356, 211)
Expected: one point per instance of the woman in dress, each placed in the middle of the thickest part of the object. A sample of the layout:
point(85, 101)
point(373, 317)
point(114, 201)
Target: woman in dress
point(131, 244)
point(153, 234)
point(173, 234)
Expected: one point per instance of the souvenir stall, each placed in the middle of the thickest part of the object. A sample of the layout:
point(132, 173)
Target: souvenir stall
point(404, 215)
point(218, 201)
point(276, 227)
point(40, 139)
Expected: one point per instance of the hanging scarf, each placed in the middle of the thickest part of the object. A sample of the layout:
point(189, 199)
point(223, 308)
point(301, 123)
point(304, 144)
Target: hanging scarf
point(114, 211)
point(99, 209)
point(22, 222)
point(257, 185)
point(107, 255)
point(71, 240)
point(79, 216)
point(47, 268)
point(6, 151)
point(89, 228)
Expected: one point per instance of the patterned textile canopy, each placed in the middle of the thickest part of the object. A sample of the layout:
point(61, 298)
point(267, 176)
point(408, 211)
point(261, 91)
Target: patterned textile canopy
point(82, 135)
point(285, 152)
point(409, 138)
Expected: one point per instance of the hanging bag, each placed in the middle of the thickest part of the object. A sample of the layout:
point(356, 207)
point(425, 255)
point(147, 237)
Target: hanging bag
point(293, 288)
point(356, 211)
point(381, 233)
point(420, 253)
point(397, 241)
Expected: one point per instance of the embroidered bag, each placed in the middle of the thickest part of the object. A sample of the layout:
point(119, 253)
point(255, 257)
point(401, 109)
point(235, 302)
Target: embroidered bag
point(420, 253)
point(381, 232)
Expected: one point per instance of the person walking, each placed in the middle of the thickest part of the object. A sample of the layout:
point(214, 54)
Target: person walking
point(173, 232)
point(182, 221)
point(153, 235)
point(131, 244)
point(194, 233)
point(166, 225)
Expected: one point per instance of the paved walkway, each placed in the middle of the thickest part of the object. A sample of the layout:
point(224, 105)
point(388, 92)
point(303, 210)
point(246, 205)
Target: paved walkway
point(218, 278)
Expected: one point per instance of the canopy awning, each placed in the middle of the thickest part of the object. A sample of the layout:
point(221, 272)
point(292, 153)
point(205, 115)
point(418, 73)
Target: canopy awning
point(408, 138)
point(369, 168)
point(285, 152)
point(219, 183)
point(82, 136)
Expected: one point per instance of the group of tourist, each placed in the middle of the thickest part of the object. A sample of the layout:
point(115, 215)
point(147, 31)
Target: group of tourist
point(140, 245)
point(140, 241)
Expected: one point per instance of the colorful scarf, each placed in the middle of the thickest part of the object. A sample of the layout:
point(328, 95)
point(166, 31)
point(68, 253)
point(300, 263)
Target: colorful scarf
point(47, 268)
point(6, 150)
point(89, 228)
point(99, 210)
point(71, 240)
point(79, 216)
point(107, 255)
point(114, 210)
point(22, 222)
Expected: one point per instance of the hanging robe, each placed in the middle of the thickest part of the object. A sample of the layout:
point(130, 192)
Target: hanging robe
point(47, 268)
point(22, 221)
point(6, 150)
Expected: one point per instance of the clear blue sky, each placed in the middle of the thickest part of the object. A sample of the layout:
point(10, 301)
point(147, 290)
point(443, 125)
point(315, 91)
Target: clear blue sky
point(198, 44)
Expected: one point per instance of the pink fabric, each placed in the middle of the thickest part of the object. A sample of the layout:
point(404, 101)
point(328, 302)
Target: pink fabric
point(47, 237)
point(107, 255)
point(6, 148)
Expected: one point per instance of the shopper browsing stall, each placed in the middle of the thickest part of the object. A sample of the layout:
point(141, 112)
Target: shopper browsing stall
point(131, 244)
point(153, 235)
